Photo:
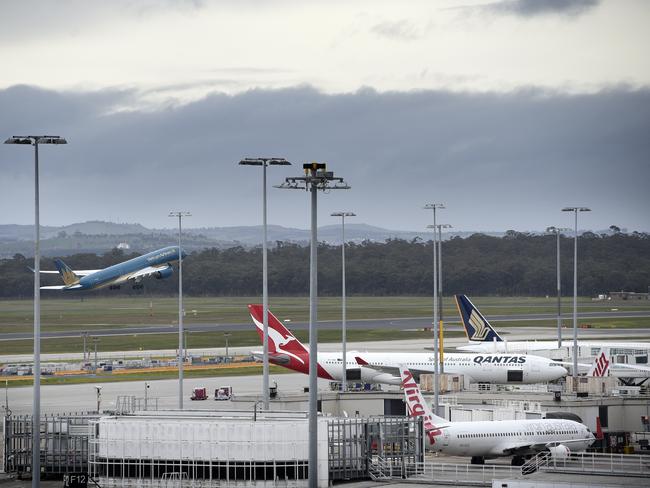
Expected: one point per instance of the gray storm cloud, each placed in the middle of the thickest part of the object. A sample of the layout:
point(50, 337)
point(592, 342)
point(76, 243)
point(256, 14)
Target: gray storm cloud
point(499, 161)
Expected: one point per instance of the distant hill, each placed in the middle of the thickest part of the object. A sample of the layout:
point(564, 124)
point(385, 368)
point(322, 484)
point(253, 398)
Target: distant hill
point(97, 237)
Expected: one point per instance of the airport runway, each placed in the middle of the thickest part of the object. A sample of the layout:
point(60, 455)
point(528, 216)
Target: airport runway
point(530, 333)
point(392, 323)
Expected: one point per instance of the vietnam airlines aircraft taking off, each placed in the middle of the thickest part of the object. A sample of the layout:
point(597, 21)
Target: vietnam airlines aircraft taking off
point(495, 438)
point(383, 367)
point(156, 263)
point(483, 337)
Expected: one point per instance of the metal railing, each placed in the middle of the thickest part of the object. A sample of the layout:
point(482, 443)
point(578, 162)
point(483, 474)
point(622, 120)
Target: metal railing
point(599, 463)
point(535, 463)
point(444, 473)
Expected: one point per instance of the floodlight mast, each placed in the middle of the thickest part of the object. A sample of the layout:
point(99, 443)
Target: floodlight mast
point(316, 178)
point(36, 411)
point(558, 231)
point(575, 210)
point(343, 298)
point(264, 162)
point(441, 334)
point(436, 357)
point(181, 348)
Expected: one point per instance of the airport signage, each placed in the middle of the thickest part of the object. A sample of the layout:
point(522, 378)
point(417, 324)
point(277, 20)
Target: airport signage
point(75, 480)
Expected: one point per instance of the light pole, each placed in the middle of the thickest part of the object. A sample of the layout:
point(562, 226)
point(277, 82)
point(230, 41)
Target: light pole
point(557, 231)
point(98, 389)
point(264, 162)
point(146, 394)
point(316, 178)
point(36, 409)
point(441, 333)
point(226, 335)
point(436, 356)
point(343, 296)
point(181, 355)
point(95, 341)
point(575, 210)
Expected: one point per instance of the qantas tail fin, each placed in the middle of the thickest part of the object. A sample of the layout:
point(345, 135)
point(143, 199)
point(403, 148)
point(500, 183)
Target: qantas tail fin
point(477, 328)
point(601, 364)
point(417, 405)
point(281, 340)
point(69, 276)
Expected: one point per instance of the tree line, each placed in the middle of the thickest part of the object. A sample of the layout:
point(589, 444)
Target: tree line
point(517, 264)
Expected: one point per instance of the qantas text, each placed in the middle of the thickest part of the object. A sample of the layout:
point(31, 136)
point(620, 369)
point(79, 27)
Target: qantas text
point(500, 359)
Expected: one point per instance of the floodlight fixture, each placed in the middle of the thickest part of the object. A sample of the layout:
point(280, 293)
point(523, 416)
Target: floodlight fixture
point(33, 140)
point(576, 209)
point(264, 162)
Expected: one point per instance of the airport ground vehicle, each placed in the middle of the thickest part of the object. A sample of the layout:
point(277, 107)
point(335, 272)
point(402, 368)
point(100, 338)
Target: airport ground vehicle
point(223, 393)
point(200, 393)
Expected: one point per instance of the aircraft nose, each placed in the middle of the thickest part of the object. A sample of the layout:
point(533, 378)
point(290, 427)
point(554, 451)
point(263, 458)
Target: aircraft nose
point(562, 372)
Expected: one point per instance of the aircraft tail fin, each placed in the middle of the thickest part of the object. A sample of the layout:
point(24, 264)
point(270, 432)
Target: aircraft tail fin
point(417, 405)
point(477, 328)
point(280, 338)
point(601, 364)
point(69, 276)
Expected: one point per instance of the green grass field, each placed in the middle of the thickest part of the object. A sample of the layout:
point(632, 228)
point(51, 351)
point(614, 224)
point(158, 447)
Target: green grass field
point(117, 312)
point(98, 313)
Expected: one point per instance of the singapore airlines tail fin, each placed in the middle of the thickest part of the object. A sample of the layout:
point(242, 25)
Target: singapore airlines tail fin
point(601, 364)
point(417, 405)
point(477, 328)
point(281, 340)
point(69, 276)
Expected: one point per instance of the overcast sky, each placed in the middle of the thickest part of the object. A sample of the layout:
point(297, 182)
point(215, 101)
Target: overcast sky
point(505, 111)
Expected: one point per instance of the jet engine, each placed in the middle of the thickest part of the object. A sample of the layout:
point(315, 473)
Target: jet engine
point(559, 452)
point(164, 273)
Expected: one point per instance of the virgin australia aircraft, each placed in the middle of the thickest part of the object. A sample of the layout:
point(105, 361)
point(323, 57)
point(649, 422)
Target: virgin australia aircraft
point(156, 263)
point(495, 438)
point(383, 367)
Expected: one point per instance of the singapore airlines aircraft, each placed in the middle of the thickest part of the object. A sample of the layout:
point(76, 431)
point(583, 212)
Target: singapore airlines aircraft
point(483, 337)
point(383, 367)
point(156, 263)
point(495, 438)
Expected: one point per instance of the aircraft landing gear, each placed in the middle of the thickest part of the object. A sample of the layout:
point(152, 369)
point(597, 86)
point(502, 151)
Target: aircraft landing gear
point(477, 460)
point(517, 461)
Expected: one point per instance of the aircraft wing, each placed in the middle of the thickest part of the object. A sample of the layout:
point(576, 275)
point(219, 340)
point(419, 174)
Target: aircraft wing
point(569, 363)
point(394, 370)
point(60, 287)
point(526, 448)
point(634, 367)
point(148, 271)
point(78, 272)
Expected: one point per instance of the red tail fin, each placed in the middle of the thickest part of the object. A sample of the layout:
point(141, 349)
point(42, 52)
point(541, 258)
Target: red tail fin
point(280, 338)
point(599, 429)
